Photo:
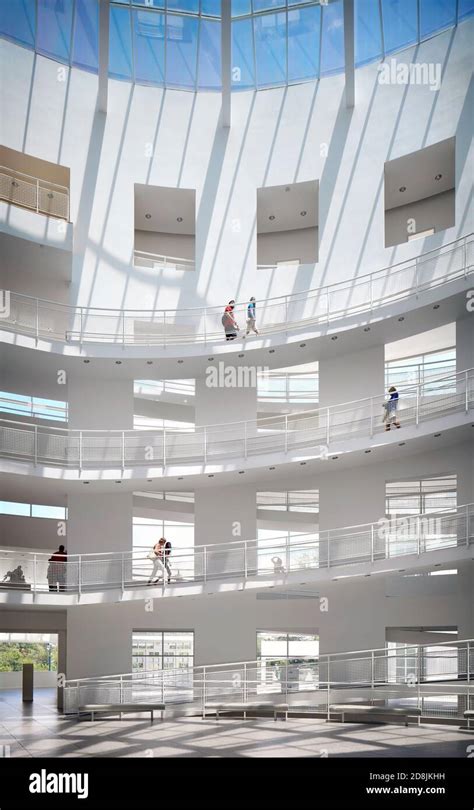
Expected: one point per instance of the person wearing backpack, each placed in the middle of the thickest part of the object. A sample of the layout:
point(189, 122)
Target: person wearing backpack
point(229, 323)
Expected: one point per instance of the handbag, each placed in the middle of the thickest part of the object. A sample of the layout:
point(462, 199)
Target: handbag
point(152, 555)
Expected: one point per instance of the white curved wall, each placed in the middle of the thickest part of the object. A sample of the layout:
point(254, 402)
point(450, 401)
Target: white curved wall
point(171, 138)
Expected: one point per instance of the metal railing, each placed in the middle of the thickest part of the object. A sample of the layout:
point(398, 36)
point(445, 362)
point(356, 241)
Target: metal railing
point(172, 327)
point(38, 195)
point(157, 261)
point(311, 431)
point(436, 679)
point(241, 559)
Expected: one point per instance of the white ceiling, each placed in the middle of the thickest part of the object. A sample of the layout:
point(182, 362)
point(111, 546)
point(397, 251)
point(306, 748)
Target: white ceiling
point(165, 205)
point(286, 207)
point(443, 337)
point(417, 171)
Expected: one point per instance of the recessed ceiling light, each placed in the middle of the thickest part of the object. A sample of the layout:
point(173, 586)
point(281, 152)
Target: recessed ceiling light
point(118, 482)
point(271, 351)
point(240, 355)
point(118, 362)
point(180, 478)
point(149, 480)
point(334, 458)
point(436, 306)
point(180, 361)
point(401, 444)
point(401, 319)
point(241, 472)
point(86, 482)
point(302, 345)
point(437, 435)
point(287, 188)
point(147, 216)
point(211, 475)
point(179, 219)
point(402, 189)
point(438, 177)
point(302, 463)
point(210, 359)
point(366, 328)
point(149, 362)
point(303, 213)
point(334, 337)
point(271, 217)
point(367, 451)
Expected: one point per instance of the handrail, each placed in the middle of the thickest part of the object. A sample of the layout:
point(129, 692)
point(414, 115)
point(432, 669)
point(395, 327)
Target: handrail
point(305, 430)
point(32, 177)
point(256, 661)
point(166, 326)
point(178, 259)
point(243, 559)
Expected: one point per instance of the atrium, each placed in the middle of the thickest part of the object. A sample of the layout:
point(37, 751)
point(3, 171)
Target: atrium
point(237, 378)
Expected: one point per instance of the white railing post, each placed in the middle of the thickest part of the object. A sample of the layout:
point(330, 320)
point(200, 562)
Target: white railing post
point(80, 451)
point(245, 695)
point(467, 524)
point(79, 575)
point(417, 406)
point(372, 669)
point(327, 426)
point(34, 574)
point(164, 447)
point(416, 276)
point(245, 440)
point(123, 452)
point(328, 546)
point(81, 326)
point(245, 560)
point(36, 445)
point(164, 328)
point(328, 687)
point(121, 689)
point(204, 562)
point(468, 676)
point(203, 696)
point(286, 432)
point(287, 551)
point(37, 318)
point(418, 524)
point(371, 292)
point(123, 329)
point(205, 445)
point(122, 572)
point(205, 325)
point(466, 375)
point(37, 196)
point(372, 543)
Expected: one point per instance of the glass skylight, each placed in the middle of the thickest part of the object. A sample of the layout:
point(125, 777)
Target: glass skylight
point(177, 43)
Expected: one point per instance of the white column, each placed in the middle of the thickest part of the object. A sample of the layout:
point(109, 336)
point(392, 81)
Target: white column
point(351, 376)
point(228, 512)
point(97, 403)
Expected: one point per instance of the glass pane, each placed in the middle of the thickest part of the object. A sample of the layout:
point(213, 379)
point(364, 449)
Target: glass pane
point(270, 49)
point(149, 46)
point(272, 645)
point(436, 14)
point(17, 21)
point(86, 35)
point(178, 643)
point(53, 36)
point(181, 50)
point(212, 8)
point(13, 508)
point(332, 55)
point(265, 5)
point(184, 5)
point(400, 24)
point(368, 39)
point(303, 43)
point(120, 50)
point(302, 645)
point(465, 8)
point(209, 75)
point(243, 69)
point(55, 512)
point(240, 7)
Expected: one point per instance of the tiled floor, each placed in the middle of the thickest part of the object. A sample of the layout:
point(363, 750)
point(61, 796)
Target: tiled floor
point(37, 730)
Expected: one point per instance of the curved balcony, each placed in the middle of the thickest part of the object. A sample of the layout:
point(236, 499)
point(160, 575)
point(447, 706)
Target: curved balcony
point(310, 433)
point(435, 537)
point(435, 679)
point(38, 195)
point(357, 297)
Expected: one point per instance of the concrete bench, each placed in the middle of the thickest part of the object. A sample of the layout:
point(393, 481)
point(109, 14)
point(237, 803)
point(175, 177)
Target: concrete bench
point(469, 715)
point(218, 708)
point(120, 708)
point(368, 709)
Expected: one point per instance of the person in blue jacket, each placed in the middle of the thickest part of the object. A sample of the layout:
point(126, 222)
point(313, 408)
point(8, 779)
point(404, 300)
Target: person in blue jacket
point(251, 317)
point(391, 407)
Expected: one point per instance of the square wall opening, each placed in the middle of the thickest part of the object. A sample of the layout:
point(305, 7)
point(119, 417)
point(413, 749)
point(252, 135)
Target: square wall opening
point(420, 193)
point(287, 224)
point(165, 228)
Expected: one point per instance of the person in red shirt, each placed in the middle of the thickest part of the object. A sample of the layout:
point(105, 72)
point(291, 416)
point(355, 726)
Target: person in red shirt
point(229, 323)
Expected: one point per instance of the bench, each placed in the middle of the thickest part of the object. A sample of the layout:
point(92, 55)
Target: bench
point(368, 709)
point(218, 708)
point(120, 708)
point(469, 714)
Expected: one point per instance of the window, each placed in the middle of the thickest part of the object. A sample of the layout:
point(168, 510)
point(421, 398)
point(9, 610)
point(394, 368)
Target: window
point(423, 369)
point(17, 649)
point(156, 650)
point(147, 531)
point(405, 500)
point(288, 660)
point(33, 510)
point(288, 550)
point(306, 500)
point(52, 409)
